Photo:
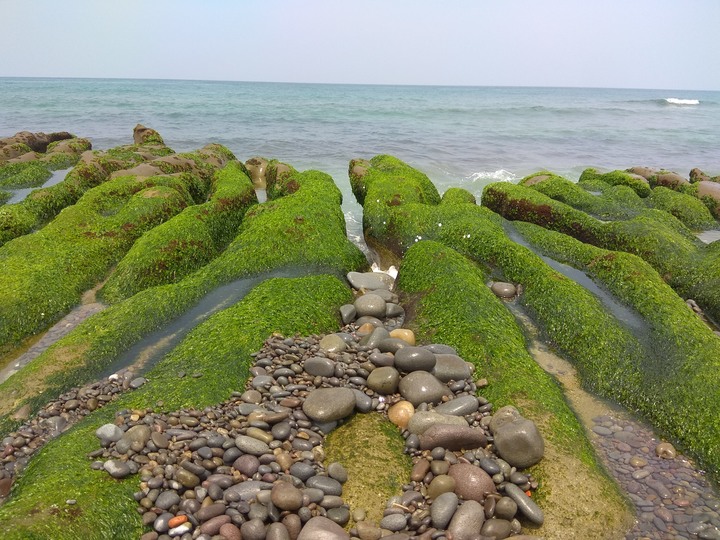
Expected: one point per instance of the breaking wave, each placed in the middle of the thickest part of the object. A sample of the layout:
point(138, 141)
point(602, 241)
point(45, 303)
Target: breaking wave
point(680, 101)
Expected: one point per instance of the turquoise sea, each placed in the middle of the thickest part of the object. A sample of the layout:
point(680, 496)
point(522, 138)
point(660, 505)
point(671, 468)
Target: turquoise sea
point(459, 136)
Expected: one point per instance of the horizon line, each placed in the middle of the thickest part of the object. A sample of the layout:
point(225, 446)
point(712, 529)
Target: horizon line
point(418, 85)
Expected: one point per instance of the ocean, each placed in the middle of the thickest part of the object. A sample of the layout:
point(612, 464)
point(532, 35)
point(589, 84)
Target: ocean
point(459, 136)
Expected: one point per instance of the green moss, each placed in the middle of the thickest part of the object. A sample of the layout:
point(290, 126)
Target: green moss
point(623, 178)
point(476, 323)
point(304, 230)
point(656, 236)
point(32, 175)
point(186, 242)
point(688, 209)
point(48, 271)
point(4, 197)
point(681, 374)
point(360, 445)
point(570, 193)
point(220, 349)
point(42, 205)
point(458, 195)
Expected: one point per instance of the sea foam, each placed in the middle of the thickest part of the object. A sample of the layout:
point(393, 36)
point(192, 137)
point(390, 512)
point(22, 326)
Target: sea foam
point(679, 101)
point(501, 175)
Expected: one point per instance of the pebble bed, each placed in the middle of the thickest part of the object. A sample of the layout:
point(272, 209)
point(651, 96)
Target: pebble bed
point(56, 417)
point(674, 500)
point(253, 467)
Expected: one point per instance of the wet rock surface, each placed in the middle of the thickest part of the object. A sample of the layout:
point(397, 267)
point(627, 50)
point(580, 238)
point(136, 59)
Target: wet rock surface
point(674, 500)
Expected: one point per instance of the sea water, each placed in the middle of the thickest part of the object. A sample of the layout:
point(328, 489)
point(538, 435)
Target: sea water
point(459, 136)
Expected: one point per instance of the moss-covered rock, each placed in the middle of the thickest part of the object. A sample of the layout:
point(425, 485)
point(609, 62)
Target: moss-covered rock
point(304, 230)
point(186, 242)
point(624, 178)
point(452, 304)
point(681, 372)
point(688, 209)
point(23, 174)
point(457, 195)
point(570, 193)
point(220, 349)
point(47, 272)
point(656, 236)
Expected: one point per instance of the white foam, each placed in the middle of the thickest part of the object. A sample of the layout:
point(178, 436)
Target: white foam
point(680, 101)
point(392, 271)
point(501, 175)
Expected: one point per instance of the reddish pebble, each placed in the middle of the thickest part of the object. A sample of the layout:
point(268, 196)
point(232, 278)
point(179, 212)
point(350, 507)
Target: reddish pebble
point(230, 531)
point(176, 521)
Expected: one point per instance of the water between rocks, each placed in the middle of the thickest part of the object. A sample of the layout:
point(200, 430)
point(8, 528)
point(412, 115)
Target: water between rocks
point(19, 195)
point(672, 497)
point(149, 350)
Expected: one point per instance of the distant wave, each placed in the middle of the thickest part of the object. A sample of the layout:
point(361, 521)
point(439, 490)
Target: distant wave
point(680, 101)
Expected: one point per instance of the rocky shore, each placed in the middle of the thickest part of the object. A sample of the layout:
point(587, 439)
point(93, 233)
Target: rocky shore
point(407, 410)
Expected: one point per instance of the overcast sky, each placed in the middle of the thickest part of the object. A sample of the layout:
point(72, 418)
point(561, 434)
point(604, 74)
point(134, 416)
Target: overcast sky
point(593, 43)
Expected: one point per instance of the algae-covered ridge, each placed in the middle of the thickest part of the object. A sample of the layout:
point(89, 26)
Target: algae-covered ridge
point(447, 284)
point(47, 272)
point(187, 241)
point(303, 229)
point(221, 349)
point(656, 236)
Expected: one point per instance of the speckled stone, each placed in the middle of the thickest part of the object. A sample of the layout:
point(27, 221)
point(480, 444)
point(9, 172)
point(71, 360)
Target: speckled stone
point(401, 413)
point(450, 367)
point(471, 483)
point(371, 305)
point(411, 358)
point(443, 508)
point(503, 290)
point(422, 420)
point(467, 521)
point(452, 437)
point(384, 380)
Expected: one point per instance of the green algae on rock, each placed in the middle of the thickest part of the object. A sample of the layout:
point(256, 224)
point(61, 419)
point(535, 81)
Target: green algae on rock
point(50, 270)
point(688, 209)
point(681, 371)
point(563, 190)
point(187, 241)
point(624, 178)
point(452, 304)
point(363, 444)
point(658, 237)
point(221, 349)
point(303, 230)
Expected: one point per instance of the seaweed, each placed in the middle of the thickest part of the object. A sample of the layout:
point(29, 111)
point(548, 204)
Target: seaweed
point(221, 349)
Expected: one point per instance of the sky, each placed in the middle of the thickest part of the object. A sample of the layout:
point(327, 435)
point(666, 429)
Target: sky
point(664, 44)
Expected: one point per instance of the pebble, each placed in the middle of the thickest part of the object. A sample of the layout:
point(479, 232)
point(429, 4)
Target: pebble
point(525, 504)
point(668, 491)
point(471, 482)
point(422, 387)
point(253, 467)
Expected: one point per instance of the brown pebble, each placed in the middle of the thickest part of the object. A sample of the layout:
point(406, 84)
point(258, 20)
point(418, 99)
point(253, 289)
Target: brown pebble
point(400, 413)
point(230, 532)
point(212, 526)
